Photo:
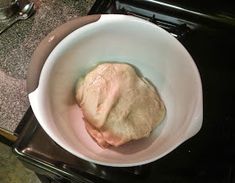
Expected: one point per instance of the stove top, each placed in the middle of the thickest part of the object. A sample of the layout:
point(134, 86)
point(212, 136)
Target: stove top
point(208, 156)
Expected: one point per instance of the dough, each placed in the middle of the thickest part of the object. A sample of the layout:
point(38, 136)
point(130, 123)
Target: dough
point(118, 105)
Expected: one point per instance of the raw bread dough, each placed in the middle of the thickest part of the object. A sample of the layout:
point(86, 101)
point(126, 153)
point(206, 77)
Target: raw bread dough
point(118, 105)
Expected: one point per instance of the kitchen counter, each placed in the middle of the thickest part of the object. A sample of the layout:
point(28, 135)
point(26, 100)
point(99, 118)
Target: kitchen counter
point(17, 45)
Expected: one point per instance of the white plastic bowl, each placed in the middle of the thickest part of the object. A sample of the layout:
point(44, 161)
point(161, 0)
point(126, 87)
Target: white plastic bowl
point(160, 58)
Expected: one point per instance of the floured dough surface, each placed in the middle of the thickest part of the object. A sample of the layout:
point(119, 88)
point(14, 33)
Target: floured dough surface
point(118, 105)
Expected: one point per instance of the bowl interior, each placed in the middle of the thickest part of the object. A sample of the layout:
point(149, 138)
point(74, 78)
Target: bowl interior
point(159, 57)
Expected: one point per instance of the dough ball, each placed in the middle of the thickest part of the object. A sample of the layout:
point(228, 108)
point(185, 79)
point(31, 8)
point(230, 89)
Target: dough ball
point(118, 105)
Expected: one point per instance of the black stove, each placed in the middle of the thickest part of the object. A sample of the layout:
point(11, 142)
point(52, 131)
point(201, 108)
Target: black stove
point(208, 35)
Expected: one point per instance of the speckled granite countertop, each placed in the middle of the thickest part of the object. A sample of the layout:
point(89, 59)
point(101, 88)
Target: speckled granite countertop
point(17, 45)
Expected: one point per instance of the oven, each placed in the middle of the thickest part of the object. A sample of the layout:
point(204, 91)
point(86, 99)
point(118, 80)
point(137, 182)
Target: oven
point(206, 157)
